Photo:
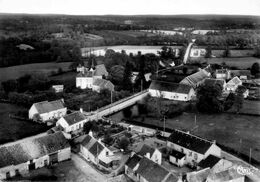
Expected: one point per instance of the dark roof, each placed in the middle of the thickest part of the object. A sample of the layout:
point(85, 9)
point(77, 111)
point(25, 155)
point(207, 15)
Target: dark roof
point(151, 171)
point(177, 154)
point(210, 161)
point(86, 140)
point(96, 148)
point(212, 81)
point(22, 151)
point(85, 74)
point(74, 117)
point(170, 87)
point(133, 161)
point(189, 141)
point(146, 149)
point(45, 106)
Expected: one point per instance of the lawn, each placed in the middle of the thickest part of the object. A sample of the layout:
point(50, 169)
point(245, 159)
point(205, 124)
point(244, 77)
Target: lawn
point(226, 129)
point(15, 72)
point(241, 62)
point(12, 129)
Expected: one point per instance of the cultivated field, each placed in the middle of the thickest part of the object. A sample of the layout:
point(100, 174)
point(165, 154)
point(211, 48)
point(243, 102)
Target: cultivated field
point(241, 63)
point(12, 129)
point(15, 72)
point(226, 129)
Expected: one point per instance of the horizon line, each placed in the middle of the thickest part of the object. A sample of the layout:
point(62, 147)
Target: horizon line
point(62, 14)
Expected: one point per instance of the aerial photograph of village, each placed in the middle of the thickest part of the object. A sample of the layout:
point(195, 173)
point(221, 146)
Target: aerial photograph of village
point(130, 90)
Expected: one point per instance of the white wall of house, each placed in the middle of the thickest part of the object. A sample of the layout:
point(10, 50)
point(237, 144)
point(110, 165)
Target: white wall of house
point(196, 52)
point(105, 155)
point(64, 154)
point(191, 156)
point(39, 162)
point(96, 88)
point(157, 157)
point(84, 151)
point(172, 95)
point(213, 150)
point(47, 116)
point(178, 162)
point(70, 128)
point(84, 82)
point(22, 169)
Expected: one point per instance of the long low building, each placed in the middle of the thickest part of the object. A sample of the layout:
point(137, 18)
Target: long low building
point(31, 153)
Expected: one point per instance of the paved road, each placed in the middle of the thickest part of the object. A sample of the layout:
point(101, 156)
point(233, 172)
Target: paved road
point(90, 173)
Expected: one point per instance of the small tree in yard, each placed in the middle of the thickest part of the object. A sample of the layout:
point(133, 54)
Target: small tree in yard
point(239, 101)
point(123, 143)
point(255, 69)
point(226, 52)
point(87, 127)
point(36, 117)
point(208, 52)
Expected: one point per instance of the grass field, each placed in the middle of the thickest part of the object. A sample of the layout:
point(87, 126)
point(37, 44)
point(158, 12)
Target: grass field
point(226, 129)
point(241, 63)
point(12, 129)
point(15, 72)
point(249, 107)
point(234, 53)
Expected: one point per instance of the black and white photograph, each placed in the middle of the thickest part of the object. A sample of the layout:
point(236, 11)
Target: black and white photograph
point(130, 90)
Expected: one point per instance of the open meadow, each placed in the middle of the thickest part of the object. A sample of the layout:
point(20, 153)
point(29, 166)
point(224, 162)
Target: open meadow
point(12, 129)
point(15, 72)
point(239, 132)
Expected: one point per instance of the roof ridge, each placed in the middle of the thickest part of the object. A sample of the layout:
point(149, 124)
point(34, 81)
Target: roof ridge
point(188, 133)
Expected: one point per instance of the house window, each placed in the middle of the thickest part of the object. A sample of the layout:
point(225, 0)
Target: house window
point(17, 172)
point(195, 156)
point(106, 153)
point(8, 175)
point(190, 154)
point(182, 150)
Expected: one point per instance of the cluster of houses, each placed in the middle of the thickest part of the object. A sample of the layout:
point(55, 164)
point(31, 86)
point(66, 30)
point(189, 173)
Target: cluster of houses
point(229, 80)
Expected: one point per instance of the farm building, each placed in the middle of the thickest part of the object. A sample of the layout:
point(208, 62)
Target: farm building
point(223, 74)
point(172, 91)
point(196, 79)
point(72, 122)
point(93, 78)
point(241, 74)
point(229, 175)
point(177, 158)
point(101, 84)
point(194, 148)
point(31, 153)
point(97, 153)
point(151, 153)
point(141, 169)
point(47, 110)
point(215, 164)
point(197, 51)
point(233, 84)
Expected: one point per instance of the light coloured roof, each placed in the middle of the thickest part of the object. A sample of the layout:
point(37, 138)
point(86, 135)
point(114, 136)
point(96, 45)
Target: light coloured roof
point(31, 148)
point(198, 176)
point(234, 81)
point(103, 84)
point(46, 106)
point(195, 78)
point(228, 175)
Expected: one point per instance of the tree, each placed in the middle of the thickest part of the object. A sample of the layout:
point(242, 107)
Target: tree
point(255, 69)
point(226, 52)
point(208, 99)
point(126, 82)
point(123, 143)
point(87, 127)
point(238, 102)
point(116, 74)
point(208, 52)
point(257, 52)
point(229, 101)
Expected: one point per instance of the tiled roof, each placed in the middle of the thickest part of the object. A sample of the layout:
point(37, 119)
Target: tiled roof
point(133, 161)
point(151, 171)
point(45, 106)
point(171, 178)
point(234, 81)
point(100, 70)
point(195, 78)
point(210, 161)
point(74, 117)
point(96, 148)
point(189, 141)
point(103, 84)
point(228, 175)
point(88, 142)
point(198, 176)
point(146, 149)
point(170, 87)
point(177, 154)
point(31, 148)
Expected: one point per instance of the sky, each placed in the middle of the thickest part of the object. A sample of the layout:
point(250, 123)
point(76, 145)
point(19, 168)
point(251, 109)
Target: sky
point(131, 7)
